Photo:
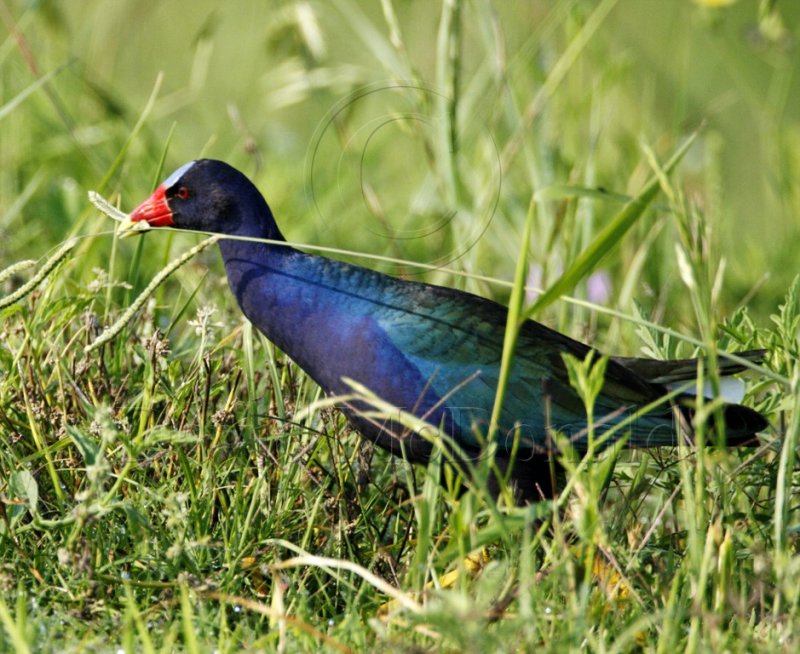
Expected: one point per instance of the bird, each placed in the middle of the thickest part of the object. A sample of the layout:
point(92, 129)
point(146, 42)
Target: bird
point(428, 350)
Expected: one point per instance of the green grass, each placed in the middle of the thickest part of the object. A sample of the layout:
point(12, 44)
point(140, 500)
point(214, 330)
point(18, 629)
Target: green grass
point(185, 487)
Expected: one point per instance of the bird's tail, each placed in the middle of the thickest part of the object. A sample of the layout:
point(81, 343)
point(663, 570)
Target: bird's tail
point(741, 423)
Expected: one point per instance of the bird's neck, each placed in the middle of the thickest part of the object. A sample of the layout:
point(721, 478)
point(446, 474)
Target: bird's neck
point(248, 247)
point(309, 306)
point(239, 249)
point(269, 284)
point(252, 265)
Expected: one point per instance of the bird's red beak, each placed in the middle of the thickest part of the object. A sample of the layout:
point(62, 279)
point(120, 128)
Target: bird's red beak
point(154, 210)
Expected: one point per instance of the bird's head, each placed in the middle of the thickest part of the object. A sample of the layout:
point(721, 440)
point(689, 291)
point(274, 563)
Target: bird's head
point(209, 196)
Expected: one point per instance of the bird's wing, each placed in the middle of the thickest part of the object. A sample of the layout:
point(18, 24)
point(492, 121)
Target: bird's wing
point(455, 340)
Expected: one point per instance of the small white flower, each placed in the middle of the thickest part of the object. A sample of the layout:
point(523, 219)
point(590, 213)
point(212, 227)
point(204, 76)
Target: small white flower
point(203, 326)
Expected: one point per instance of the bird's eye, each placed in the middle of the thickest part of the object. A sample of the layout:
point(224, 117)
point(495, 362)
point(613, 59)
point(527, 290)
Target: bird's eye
point(183, 193)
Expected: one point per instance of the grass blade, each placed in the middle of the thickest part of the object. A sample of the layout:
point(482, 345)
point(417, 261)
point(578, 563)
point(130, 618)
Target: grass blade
point(609, 236)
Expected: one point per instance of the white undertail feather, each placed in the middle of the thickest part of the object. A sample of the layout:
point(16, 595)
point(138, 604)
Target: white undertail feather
point(731, 389)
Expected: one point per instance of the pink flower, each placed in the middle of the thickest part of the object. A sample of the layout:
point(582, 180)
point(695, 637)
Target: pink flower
point(598, 287)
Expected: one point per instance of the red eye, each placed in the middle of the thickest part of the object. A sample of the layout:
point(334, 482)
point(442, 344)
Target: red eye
point(183, 193)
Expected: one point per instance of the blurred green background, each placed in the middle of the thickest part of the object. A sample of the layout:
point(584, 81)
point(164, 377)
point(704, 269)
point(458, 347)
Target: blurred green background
point(307, 98)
